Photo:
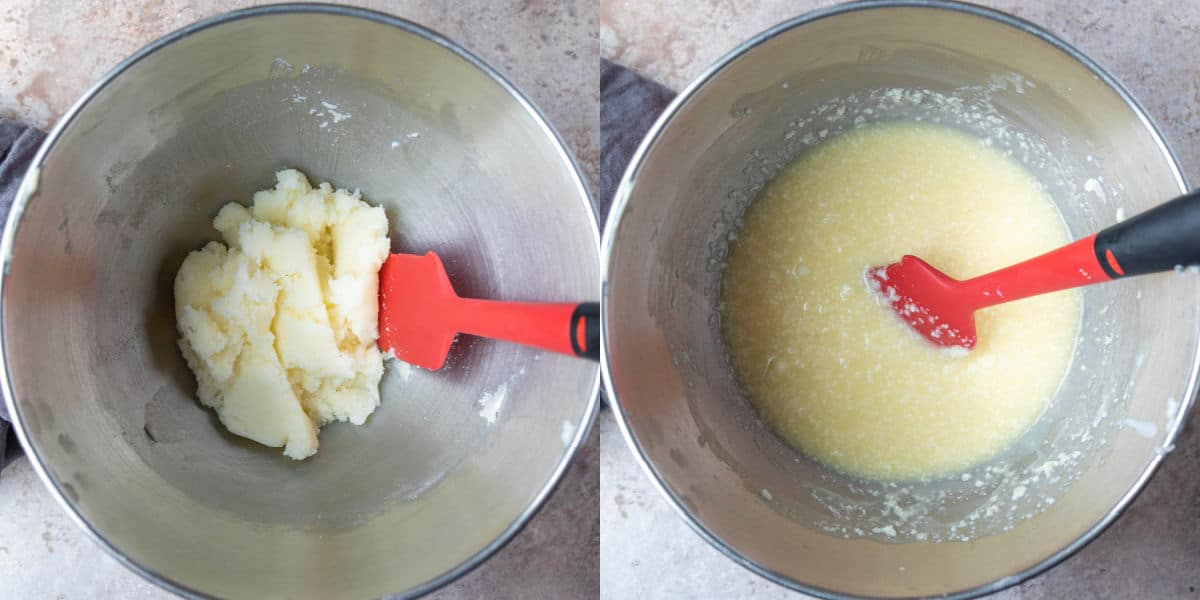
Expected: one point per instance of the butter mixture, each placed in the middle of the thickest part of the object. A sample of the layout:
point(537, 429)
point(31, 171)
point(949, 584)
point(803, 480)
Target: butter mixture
point(279, 323)
point(830, 368)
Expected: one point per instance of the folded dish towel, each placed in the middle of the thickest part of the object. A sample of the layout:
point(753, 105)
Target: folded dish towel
point(18, 144)
point(629, 105)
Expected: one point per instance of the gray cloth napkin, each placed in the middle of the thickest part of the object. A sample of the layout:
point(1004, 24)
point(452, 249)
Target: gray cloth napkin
point(18, 144)
point(629, 105)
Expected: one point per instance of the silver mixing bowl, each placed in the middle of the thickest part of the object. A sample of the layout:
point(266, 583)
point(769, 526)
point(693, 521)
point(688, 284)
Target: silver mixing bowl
point(1120, 406)
point(126, 186)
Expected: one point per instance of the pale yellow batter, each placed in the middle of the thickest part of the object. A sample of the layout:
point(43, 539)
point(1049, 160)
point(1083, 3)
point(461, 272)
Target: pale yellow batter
point(832, 370)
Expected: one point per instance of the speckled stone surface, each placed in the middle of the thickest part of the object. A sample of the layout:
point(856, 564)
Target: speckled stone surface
point(1153, 551)
point(52, 50)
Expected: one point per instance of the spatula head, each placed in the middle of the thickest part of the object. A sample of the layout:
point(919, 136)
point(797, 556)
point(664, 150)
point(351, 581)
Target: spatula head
point(415, 297)
point(931, 302)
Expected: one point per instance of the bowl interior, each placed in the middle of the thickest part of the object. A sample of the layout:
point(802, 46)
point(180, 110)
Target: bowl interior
point(462, 166)
point(1116, 411)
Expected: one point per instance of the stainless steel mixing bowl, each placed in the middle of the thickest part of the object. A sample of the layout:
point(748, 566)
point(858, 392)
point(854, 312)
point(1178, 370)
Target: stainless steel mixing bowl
point(1120, 406)
point(126, 185)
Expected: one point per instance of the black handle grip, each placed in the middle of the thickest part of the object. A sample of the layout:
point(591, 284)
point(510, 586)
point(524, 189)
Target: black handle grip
point(585, 330)
point(1159, 239)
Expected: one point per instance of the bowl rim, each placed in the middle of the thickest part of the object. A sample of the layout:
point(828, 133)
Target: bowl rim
point(29, 188)
point(625, 190)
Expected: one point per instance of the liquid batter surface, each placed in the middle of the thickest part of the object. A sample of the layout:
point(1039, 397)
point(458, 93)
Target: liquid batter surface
point(831, 369)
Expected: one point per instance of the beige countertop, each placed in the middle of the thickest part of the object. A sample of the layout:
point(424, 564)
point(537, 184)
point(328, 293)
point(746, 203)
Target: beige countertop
point(1153, 551)
point(53, 50)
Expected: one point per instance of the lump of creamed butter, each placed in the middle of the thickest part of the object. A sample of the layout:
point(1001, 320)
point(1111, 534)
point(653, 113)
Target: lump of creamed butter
point(279, 323)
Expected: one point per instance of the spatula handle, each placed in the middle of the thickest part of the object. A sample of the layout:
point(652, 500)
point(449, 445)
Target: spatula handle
point(585, 330)
point(572, 329)
point(1159, 239)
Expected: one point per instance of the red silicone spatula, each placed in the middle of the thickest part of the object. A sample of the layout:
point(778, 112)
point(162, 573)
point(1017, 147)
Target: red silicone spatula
point(943, 309)
point(420, 314)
